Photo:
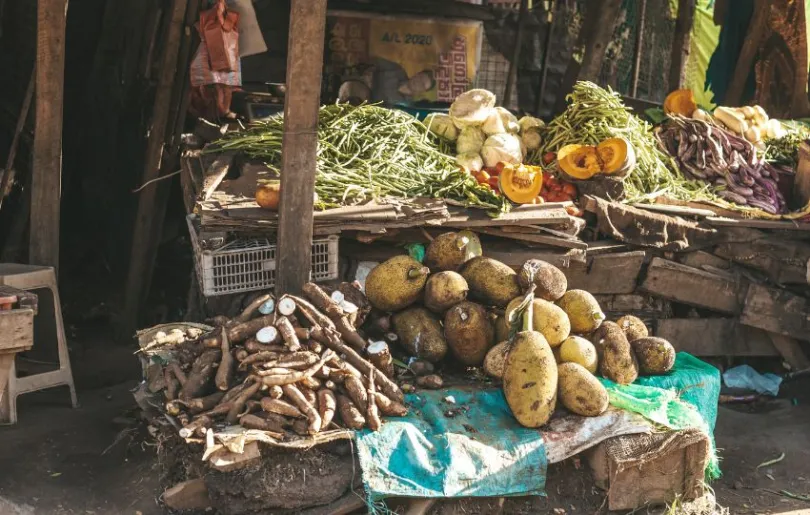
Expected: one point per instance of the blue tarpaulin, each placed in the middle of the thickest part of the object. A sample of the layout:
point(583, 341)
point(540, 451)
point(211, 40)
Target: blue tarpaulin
point(478, 451)
point(464, 442)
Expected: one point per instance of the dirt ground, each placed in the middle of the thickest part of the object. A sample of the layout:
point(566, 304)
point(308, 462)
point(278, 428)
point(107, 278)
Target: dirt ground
point(90, 461)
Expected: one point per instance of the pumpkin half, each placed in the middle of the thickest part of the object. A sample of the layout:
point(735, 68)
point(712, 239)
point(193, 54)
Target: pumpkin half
point(680, 101)
point(521, 184)
point(582, 162)
point(617, 156)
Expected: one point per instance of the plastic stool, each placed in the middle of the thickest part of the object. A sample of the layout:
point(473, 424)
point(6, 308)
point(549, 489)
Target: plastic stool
point(30, 277)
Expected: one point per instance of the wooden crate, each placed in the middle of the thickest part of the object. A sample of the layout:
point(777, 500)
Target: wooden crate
point(16, 330)
point(676, 471)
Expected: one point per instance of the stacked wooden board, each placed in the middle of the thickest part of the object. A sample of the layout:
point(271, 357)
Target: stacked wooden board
point(713, 285)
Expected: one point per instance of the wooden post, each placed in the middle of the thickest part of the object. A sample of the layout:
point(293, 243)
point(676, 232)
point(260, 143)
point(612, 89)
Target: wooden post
point(6, 173)
point(601, 22)
point(144, 222)
point(642, 14)
point(595, 34)
point(46, 176)
point(680, 44)
point(299, 144)
point(511, 79)
point(546, 50)
point(745, 61)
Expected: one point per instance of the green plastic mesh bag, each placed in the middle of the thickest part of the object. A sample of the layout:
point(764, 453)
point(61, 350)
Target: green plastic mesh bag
point(685, 398)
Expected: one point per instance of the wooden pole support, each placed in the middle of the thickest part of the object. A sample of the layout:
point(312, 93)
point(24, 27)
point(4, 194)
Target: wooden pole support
point(680, 44)
point(299, 144)
point(139, 265)
point(46, 176)
point(745, 61)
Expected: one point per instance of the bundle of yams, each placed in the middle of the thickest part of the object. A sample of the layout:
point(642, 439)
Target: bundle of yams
point(291, 367)
point(526, 328)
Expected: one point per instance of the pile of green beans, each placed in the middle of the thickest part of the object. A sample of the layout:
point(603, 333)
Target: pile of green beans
point(595, 114)
point(369, 152)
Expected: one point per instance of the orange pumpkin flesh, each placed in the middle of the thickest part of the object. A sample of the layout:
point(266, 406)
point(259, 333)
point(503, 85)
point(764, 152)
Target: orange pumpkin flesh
point(617, 155)
point(268, 195)
point(680, 101)
point(581, 163)
point(521, 184)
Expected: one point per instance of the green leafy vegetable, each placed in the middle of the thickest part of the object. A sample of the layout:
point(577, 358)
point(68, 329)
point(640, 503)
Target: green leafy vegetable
point(595, 114)
point(369, 152)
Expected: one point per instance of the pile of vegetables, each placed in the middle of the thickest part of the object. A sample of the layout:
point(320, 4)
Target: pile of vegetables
point(726, 161)
point(595, 114)
point(291, 368)
point(485, 135)
point(369, 152)
point(785, 150)
point(614, 156)
point(460, 309)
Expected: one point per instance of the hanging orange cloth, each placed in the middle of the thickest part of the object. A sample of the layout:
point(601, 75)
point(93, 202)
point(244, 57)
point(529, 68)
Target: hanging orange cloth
point(219, 34)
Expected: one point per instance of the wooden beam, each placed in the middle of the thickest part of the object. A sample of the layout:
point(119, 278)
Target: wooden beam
point(791, 351)
point(606, 273)
point(142, 240)
point(679, 283)
point(714, 337)
point(777, 311)
point(680, 44)
point(46, 168)
point(745, 61)
point(299, 144)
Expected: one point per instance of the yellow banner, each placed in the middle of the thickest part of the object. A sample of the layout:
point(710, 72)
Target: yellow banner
point(410, 59)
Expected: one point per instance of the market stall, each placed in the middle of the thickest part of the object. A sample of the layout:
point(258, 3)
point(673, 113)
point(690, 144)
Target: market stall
point(516, 293)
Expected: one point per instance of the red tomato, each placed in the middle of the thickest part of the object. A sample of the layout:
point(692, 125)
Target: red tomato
point(493, 183)
point(570, 189)
point(549, 157)
point(500, 166)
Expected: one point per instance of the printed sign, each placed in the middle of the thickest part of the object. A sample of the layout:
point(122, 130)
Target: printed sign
point(403, 59)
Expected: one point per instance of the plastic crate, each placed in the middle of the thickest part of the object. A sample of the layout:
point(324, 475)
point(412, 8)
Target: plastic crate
point(250, 264)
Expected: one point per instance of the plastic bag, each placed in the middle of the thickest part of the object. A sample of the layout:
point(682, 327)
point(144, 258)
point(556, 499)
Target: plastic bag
point(746, 377)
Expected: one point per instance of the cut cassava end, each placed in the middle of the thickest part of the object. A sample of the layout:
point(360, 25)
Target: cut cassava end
point(286, 306)
point(380, 356)
point(252, 308)
point(268, 335)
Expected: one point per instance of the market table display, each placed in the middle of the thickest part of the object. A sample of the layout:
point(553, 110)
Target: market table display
point(521, 292)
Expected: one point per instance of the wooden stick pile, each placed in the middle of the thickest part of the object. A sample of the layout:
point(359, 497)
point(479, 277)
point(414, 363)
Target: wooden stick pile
point(291, 367)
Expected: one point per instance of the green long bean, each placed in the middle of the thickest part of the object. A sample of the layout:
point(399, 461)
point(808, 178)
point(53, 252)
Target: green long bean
point(595, 114)
point(370, 152)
